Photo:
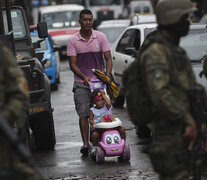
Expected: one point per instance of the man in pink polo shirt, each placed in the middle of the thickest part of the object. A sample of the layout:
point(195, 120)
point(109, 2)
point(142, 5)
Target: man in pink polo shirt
point(86, 49)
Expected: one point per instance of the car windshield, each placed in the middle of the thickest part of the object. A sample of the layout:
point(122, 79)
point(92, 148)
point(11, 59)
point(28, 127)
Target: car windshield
point(104, 2)
point(112, 32)
point(195, 44)
point(64, 19)
point(17, 23)
point(43, 44)
point(81, 2)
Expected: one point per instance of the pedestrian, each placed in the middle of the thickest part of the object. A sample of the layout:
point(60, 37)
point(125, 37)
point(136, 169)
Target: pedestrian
point(13, 105)
point(86, 49)
point(101, 112)
point(167, 75)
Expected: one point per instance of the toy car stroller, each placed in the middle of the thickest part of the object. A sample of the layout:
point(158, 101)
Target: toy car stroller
point(111, 143)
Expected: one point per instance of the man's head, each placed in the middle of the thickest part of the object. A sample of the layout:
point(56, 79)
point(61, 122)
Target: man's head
point(86, 19)
point(174, 14)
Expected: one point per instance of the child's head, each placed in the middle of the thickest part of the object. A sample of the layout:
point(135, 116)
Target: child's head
point(97, 98)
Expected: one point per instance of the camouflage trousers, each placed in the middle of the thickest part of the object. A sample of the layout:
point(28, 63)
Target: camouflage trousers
point(170, 158)
point(11, 168)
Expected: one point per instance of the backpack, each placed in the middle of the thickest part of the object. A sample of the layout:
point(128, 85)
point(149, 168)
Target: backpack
point(138, 100)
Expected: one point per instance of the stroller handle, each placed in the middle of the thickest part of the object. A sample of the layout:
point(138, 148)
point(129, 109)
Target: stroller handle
point(97, 84)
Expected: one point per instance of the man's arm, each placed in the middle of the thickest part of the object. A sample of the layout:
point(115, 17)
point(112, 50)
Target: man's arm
point(76, 70)
point(107, 56)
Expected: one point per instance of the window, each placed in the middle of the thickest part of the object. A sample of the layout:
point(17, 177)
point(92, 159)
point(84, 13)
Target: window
point(135, 41)
point(17, 23)
point(137, 10)
point(125, 40)
point(146, 9)
point(104, 2)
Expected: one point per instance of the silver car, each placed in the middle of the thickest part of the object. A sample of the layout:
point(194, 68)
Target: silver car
point(126, 46)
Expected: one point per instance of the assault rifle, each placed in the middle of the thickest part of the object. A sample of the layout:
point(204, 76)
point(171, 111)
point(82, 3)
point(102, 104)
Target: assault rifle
point(7, 132)
point(197, 100)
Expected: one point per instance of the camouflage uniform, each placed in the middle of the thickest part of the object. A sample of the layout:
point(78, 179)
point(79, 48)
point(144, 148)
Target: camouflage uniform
point(168, 76)
point(13, 104)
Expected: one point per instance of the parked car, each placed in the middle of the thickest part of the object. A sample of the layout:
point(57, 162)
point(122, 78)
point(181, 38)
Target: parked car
point(195, 44)
point(62, 21)
point(52, 65)
point(123, 53)
point(128, 43)
point(113, 28)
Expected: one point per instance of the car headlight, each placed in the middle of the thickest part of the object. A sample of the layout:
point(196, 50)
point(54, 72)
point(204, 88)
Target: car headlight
point(48, 64)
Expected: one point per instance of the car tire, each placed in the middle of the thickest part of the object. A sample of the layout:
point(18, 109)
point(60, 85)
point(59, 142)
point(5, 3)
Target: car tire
point(44, 131)
point(58, 79)
point(126, 154)
point(54, 86)
point(24, 134)
point(118, 101)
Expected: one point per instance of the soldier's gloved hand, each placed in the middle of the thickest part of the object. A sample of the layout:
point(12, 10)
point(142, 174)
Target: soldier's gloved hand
point(86, 81)
point(190, 134)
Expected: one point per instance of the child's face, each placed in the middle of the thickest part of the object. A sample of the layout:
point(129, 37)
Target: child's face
point(100, 102)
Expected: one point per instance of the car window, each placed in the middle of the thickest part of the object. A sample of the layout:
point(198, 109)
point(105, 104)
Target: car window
point(146, 9)
point(112, 32)
point(104, 2)
point(125, 40)
point(17, 23)
point(135, 41)
point(195, 44)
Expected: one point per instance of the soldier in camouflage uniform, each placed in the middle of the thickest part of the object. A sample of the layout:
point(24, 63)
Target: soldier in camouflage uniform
point(13, 104)
point(168, 76)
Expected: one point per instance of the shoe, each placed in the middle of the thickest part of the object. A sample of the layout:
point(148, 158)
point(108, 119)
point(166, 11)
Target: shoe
point(84, 150)
point(92, 153)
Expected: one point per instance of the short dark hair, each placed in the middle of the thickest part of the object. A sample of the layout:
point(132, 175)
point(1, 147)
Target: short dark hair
point(85, 11)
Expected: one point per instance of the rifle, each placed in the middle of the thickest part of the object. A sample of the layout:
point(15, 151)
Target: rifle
point(197, 100)
point(16, 143)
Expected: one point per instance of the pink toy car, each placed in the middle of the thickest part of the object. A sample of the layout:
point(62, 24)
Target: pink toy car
point(111, 143)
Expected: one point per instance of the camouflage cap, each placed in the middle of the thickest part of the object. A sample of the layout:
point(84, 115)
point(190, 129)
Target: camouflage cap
point(170, 11)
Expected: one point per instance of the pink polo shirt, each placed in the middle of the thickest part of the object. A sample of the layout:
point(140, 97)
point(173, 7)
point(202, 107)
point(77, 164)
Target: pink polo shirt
point(89, 53)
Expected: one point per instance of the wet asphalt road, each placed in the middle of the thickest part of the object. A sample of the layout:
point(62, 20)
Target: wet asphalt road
point(66, 162)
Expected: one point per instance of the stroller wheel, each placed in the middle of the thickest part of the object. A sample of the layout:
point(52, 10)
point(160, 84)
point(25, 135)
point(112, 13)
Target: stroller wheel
point(126, 154)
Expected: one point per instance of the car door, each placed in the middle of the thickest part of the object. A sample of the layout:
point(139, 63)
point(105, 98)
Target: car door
point(121, 60)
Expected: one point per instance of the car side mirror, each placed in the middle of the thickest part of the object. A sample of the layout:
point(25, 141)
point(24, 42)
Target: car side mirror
point(42, 30)
point(131, 51)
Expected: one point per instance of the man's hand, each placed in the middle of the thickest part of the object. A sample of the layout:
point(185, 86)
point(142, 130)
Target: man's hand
point(190, 134)
point(86, 81)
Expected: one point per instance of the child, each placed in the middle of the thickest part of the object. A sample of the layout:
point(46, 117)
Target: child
point(101, 110)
